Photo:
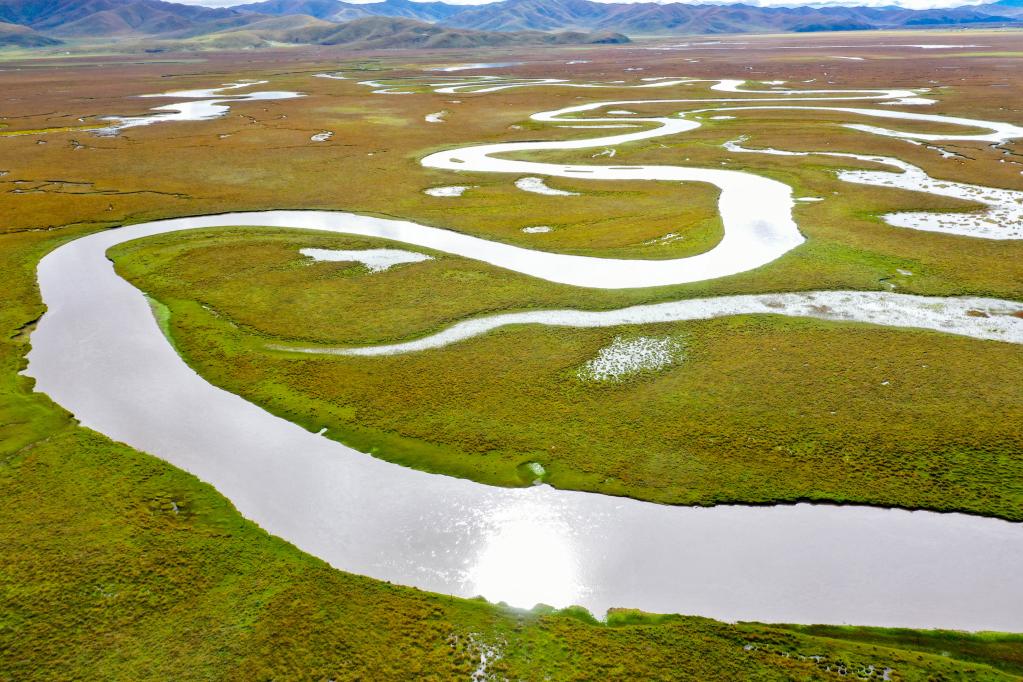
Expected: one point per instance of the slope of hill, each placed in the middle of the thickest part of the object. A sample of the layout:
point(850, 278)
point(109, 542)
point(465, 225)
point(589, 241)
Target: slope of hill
point(537, 15)
point(15, 35)
point(336, 10)
point(261, 31)
point(96, 18)
point(400, 33)
point(1011, 8)
point(320, 9)
point(653, 18)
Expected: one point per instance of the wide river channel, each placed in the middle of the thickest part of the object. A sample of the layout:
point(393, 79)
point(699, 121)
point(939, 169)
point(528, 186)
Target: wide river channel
point(99, 352)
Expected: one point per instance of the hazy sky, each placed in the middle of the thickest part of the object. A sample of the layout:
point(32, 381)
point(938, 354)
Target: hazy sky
point(912, 4)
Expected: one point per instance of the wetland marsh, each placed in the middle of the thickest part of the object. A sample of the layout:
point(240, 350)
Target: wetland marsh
point(889, 389)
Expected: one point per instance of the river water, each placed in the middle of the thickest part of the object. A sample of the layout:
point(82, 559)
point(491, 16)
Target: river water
point(99, 352)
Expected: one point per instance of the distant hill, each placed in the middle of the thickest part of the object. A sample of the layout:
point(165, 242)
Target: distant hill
point(384, 33)
point(643, 18)
point(330, 10)
point(537, 15)
point(648, 18)
point(15, 35)
point(96, 18)
point(335, 10)
point(1012, 8)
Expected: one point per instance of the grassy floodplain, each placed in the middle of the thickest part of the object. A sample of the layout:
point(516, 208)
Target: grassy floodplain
point(117, 566)
point(761, 409)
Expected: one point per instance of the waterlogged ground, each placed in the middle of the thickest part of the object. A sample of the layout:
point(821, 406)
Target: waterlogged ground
point(136, 532)
point(764, 409)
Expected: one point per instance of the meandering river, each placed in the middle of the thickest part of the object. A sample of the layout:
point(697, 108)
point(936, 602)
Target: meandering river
point(99, 352)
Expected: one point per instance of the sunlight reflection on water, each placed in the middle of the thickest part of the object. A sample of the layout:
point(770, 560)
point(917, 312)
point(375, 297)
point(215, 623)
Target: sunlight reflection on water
point(528, 557)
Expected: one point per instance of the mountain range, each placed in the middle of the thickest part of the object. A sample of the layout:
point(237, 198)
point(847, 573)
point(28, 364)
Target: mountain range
point(643, 18)
point(404, 23)
point(378, 33)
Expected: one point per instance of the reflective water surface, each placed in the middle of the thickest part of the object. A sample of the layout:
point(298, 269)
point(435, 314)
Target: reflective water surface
point(99, 352)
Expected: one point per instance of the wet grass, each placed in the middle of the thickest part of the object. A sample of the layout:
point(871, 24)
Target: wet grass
point(118, 566)
point(765, 409)
point(768, 410)
point(1002, 651)
point(43, 131)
